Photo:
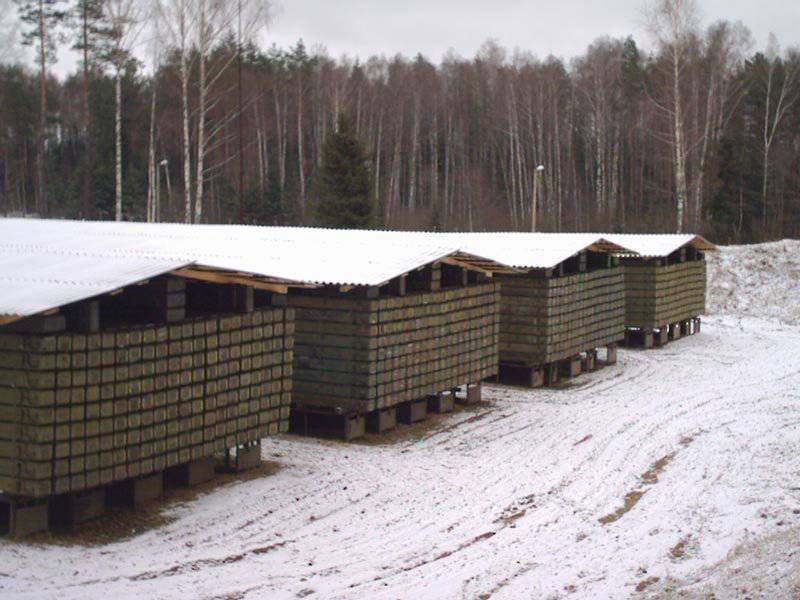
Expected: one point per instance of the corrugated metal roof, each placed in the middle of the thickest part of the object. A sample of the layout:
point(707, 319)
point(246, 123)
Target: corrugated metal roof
point(84, 252)
point(520, 250)
point(34, 281)
point(660, 244)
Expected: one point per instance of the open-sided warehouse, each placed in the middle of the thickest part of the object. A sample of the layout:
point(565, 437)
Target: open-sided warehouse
point(567, 302)
point(665, 286)
point(118, 366)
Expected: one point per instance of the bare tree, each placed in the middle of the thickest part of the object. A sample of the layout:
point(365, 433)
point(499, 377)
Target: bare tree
point(124, 20)
point(175, 20)
point(780, 95)
point(214, 20)
point(673, 23)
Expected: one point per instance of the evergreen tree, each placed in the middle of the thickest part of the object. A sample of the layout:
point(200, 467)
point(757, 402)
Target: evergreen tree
point(344, 181)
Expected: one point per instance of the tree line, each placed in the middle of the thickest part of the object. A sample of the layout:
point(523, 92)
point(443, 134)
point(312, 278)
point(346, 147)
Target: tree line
point(702, 133)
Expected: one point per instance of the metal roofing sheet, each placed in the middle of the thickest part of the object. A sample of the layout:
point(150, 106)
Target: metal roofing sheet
point(659, 244)
point(515, 249)
point(282, 254)
point(32, 281)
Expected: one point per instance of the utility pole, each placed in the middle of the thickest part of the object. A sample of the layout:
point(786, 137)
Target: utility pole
point(536, 173)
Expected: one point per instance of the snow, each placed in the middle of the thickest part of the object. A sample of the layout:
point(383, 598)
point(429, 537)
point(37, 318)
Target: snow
point(505, 499)
point(760, 280)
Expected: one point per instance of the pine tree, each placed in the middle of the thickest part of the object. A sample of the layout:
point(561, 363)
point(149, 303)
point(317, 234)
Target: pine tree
point(344, 181)
point(41, 19)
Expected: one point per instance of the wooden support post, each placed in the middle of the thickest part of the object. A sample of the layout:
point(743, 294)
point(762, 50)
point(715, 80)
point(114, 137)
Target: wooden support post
point(382, 420)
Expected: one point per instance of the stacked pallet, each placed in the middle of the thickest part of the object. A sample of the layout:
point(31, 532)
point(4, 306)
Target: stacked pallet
point(658, 294)
point(358, 355)
point(79, 411)
point(546, 319)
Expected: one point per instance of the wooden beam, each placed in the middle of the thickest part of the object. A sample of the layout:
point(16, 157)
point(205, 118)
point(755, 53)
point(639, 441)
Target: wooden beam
point(231, 278)
point(450, 260)
point(6, 319)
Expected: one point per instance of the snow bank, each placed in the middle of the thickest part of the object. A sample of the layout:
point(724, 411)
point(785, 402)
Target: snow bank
point(761, 280)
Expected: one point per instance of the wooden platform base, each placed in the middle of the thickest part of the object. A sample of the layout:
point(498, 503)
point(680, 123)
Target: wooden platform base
point(661, 336)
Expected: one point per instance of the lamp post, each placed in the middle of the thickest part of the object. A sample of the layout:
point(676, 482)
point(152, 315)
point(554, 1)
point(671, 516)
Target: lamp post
point(164, 163)
point(538, 170)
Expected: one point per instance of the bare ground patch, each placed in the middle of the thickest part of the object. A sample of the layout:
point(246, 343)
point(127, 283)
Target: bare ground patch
point(649, 477)
point(122, 523)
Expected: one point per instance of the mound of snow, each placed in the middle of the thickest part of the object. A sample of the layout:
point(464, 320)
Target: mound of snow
point(761, 280)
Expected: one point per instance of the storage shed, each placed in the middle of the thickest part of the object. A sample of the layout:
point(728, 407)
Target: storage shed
point(567, 302)
point(393, 340)
point(118, 366)
point(665, 286)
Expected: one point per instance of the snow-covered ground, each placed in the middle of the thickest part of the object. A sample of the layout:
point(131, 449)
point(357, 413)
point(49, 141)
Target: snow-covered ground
point(675, 473)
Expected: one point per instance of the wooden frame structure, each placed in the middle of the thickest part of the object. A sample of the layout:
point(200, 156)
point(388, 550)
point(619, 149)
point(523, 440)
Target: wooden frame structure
point(553, 320)
point(366, 356)
point(103, 398)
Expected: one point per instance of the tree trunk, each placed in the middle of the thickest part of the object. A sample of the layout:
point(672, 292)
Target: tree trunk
point(118, 143)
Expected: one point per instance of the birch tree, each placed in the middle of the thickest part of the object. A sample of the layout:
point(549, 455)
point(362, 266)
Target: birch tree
point(216, 19)
point(780, 81)
point(174, 18)
point(673, 23)
point(124, 20)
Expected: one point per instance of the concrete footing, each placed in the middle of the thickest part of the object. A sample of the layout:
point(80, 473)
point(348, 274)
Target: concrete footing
point(441, 403)
point(134, 492)
point(611, 354)
point(412, 412)
point(191, 474)
point(247, 458)
point(22, 517)
point(570, 367)
point(74, 509)
point(589, 361)
point(380, 421)
point(327, 425)
point(661, 337)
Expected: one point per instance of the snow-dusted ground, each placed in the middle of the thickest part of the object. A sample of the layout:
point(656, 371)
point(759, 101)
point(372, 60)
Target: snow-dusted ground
point(524, 497)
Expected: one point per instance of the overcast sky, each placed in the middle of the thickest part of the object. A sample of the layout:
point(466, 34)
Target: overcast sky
point(562, 27)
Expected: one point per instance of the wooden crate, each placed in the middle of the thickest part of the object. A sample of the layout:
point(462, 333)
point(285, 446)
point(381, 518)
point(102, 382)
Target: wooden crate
point(657, 294)
point(360, 355)
point(82, 410)
point(547, 318)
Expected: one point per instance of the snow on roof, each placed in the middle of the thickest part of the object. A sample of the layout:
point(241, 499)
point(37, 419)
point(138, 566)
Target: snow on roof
point(55, 259)
point(34, 281)
point(520, 250)
point(660, 244)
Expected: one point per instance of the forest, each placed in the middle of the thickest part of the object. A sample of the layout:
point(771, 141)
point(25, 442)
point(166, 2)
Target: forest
point(177, 112)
